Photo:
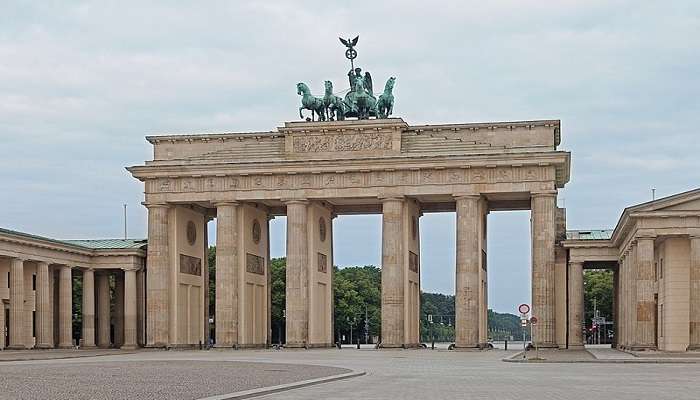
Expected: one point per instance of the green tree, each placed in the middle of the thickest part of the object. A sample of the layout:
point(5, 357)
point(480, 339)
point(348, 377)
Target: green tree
point(598, 285)
point(278, 278)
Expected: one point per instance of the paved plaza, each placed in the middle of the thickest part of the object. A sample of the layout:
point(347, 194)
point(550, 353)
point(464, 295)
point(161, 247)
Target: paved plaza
point(390, 374)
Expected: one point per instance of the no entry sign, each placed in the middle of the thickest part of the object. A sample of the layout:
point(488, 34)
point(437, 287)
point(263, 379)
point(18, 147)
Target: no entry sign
point(524, 308)
point(533, 320)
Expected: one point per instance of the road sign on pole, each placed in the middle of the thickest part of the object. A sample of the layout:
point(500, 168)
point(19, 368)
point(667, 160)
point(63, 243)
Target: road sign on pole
point(524, 308)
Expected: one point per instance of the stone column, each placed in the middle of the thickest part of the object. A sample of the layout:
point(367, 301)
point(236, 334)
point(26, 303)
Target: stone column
point(103, 310)
point(17, 305)
point(575, 306)
point(88, 308)
point(158, 277)
point(392, 273)
point(543, 241)
point(44, 325)
point(129, 309)
point(645, 305)
point(118, 309)
point(2, 325)
point(227, 270)
point(297, 308)
point(467, 273)
point(65, 308)
point(694, 343)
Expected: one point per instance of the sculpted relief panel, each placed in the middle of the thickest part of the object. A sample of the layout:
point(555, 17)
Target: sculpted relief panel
point(342, 142)
point(352, 179)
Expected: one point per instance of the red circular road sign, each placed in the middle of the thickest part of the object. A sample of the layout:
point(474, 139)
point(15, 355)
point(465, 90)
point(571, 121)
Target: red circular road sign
point(533, 320)
point(524, 308)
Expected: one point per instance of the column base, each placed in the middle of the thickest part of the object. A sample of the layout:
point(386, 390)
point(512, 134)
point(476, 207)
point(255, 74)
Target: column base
point(695, 347)
point(43, 346)
point(128, 347)
point(88, 347)
point(16, 347)
point(576, 347)
point(65, 346)
point(296, 346)
point(546, 345)
point(642, 348)
point(225, 346)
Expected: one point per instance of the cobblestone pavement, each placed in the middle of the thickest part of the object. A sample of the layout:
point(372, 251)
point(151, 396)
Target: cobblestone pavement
point(145, 379)
point(391, 374)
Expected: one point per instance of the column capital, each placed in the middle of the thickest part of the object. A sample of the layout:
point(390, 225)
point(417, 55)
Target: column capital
point(645, 234)
point(232, 203)
point(295, 201)
point(576, 262)
point(130, 268)
point(466, 196)
point(544, 193)
point(18, 259)
point(694, 233)
point(391, 198)
point(156, 205)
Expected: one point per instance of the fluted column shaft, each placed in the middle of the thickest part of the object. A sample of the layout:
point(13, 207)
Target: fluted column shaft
point(297, 321)
point(130, 322)
point(17, 304)
point(543, 241)
point(44, 325)
point(227, 269)
point(576, 305)
point(103, 310)
point(694, 343)
point(467, 272)
point(158, 277)
point(645, 305)
point(88, 308)
point(65, 308)
point(393, 272)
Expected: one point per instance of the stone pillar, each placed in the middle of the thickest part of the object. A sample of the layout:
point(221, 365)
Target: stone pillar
point(392, 273)
point(694, 343)
point(227, 270)
point(576, 306)
point(543, 242)
point(17, 305)
point(2, 325)
point(129, 309)
point(467, 273)
point(103, 310)
point(631, 296)
point(88, 308)
point(297, 308)
point(44, 325)
point(158, 277)
point(118, 309)
point(645, 305)
point(65, 308)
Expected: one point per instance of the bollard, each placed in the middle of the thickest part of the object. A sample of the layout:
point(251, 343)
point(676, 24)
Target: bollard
point(506, 344)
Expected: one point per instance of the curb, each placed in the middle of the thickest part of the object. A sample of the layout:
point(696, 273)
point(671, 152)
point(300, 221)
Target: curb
point(600, 361)
point(246, 394)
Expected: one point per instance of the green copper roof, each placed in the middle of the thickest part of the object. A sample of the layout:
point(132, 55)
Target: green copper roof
point(109, 243)
point(594, 234)
point(89, 244)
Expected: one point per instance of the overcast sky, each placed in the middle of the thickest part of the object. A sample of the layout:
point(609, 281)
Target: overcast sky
point(81, 84)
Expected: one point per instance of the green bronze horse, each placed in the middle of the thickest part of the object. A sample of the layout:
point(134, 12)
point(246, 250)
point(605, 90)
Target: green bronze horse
point(361, 104)
point(334, 105)
point(385, 104)
point(309, 102)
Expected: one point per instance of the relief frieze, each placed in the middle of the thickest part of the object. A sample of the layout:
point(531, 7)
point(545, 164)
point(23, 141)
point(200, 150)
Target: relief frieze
point(351, 179)
point(342, 142)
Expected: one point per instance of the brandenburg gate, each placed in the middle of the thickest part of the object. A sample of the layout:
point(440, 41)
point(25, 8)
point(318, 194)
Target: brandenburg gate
point(314, 171)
